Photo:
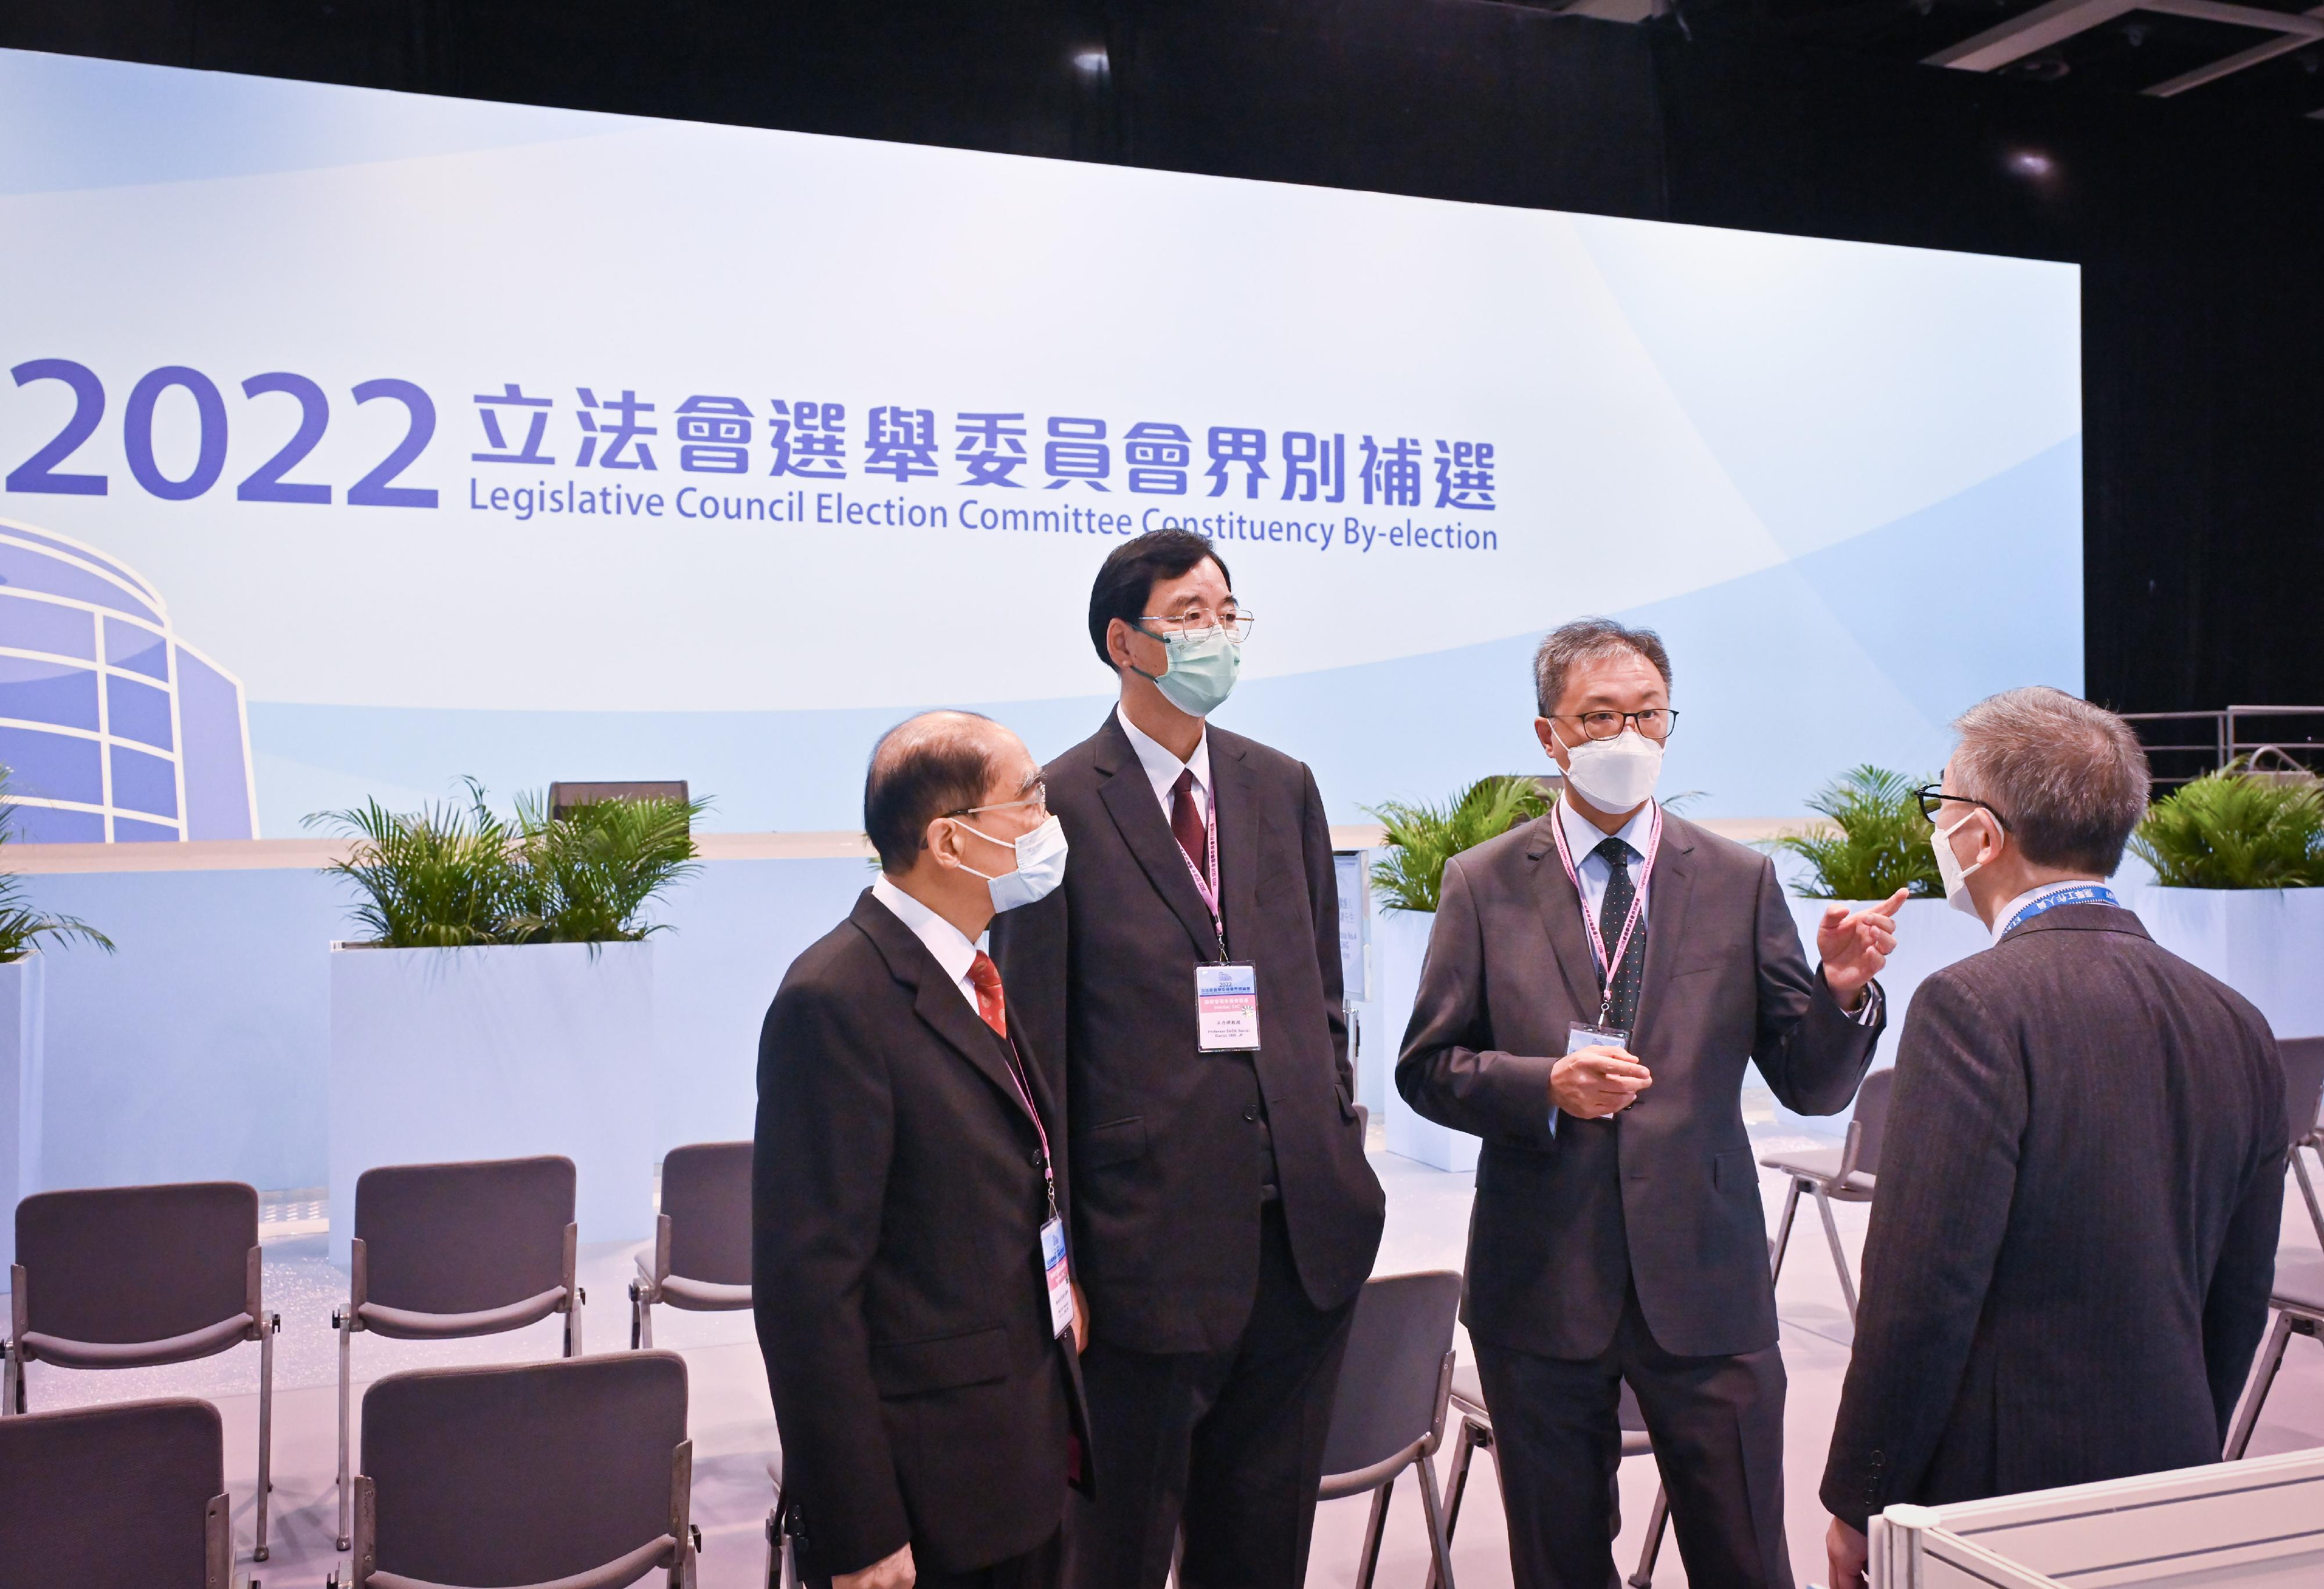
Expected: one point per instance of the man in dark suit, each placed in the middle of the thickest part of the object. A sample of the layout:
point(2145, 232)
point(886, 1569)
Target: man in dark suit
point(2075, 1234)
point(1596, 981)
point(909, 1198)
point(1224, 1218)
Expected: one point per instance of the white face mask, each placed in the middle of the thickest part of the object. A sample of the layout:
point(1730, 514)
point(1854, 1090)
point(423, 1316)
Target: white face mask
point(1040, 865)
point(1949, 866)
point(1614, 775)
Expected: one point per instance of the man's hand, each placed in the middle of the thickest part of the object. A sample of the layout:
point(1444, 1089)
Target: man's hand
point(892, 1572)
point(1855, 948)
point(1080, 1319)
point(1849, 1554)
point(1592, 1083)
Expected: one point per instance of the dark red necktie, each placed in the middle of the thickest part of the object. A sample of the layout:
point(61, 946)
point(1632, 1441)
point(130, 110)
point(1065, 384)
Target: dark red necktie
point(985, 977)
point(1187, 821)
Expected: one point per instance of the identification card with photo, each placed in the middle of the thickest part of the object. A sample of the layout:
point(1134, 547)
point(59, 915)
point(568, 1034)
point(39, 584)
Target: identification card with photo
point(1226, 1007)
point(1058, 1274)
point(1581, 1034)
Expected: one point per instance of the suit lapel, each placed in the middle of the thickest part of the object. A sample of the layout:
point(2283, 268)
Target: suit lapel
point(1137, 817)
point(1668, 891)
point(935, 999)
point(1561, 918)
point(1238, 826)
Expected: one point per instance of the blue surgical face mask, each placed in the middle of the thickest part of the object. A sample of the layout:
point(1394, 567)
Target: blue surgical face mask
point(1040, 865)
point(1201, 672)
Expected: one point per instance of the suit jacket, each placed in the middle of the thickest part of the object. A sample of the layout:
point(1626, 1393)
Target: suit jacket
point(2074, 1235)
point(896, 1263)
point(1170, 1142)
point(1665, 1195)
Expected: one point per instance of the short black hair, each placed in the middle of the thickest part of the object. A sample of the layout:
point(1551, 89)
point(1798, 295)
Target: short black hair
point(924, 768)
point(1126, 580)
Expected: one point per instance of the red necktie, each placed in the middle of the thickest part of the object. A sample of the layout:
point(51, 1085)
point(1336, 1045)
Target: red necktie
point(985, 977)
point(1186, 820)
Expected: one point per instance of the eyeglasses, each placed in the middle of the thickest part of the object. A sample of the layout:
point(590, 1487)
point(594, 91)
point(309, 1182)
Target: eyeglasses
point(1932, 795)
point(1194, 622)
point(1654, 723)
point(1038, 799)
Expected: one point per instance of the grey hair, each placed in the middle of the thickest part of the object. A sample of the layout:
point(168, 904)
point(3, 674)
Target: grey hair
point(1587, 639)
point(2067, 780)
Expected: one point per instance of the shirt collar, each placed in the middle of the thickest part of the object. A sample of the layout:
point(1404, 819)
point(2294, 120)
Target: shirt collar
point(1583, 836)
point(1162, 767)
point(2009, 912)
point(951, 948)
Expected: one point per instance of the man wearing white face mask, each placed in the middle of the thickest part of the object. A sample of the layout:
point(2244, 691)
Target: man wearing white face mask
point(1187, 980)
point(910, 1201)
point(1596, 981)
point(2070, 1255)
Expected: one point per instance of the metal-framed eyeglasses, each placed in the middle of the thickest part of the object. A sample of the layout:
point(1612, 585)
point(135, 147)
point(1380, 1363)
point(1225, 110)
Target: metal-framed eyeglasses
point(1038, 799)
point(1933, 795)
point(1193, 623)
point(1655, 722)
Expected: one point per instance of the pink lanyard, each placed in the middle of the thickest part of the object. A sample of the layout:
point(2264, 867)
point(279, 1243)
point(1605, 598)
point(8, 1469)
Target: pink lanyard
point(1025, 1095)
point(1607, 964)
point(1208, 888)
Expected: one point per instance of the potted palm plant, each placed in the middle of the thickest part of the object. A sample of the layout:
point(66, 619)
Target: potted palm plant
point(1872, 841)
point(22, 1027)
point(1407, 882)
point(2238, 863)
point(499, 1000)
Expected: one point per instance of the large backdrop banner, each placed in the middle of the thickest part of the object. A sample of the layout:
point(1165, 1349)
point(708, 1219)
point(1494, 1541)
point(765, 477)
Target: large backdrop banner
point(354, 442)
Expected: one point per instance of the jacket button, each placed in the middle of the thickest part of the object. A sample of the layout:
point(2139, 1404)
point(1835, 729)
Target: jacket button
point(1251, 1112)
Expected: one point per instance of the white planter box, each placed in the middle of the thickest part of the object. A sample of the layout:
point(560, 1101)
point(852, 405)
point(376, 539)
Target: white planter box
point(2265, 943)
point(495, 1053)
point(1399, 944)
point(22, 1092)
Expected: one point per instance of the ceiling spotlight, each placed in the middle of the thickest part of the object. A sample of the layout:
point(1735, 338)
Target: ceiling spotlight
point(1093, 62)
point(2032, 162)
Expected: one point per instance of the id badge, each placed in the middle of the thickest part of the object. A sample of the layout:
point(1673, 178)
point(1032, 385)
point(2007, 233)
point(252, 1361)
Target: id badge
point(1226, 1007)
point(1058, 1274)
point(1581, 1034)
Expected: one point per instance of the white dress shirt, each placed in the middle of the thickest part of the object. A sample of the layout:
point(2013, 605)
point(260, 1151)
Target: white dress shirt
point(2043, 892)
point(1162, 768)
point(948, 943)
point(1583, 836)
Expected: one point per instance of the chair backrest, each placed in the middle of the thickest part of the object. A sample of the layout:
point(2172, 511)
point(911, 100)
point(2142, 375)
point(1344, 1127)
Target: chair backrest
point(1872, 1118)
point(1387, 1399)
point(523, 1474)
point(705, 1192)
point(118, 1264)
point(2303, 1084)
point(461, 1238)
point(109, 1497)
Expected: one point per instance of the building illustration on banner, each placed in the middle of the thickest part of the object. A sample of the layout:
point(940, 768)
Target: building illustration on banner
point(112, 729)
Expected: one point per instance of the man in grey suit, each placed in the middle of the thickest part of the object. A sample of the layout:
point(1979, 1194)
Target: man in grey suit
point(2075, 1236)
point(1595, 984)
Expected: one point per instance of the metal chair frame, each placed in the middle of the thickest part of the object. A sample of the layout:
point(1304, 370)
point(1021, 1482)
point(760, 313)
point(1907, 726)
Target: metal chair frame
point(653, 1284)
point(2292, 1318)
point(1846, 1184)
point(1380, 1478)
point(782, 1564)
point(347, 1322)
point(263, 1327)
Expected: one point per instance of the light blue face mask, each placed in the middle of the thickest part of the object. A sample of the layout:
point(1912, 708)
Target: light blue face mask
point(1201, 672)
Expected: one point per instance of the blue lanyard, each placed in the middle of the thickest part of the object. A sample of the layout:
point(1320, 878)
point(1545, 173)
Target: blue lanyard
point(2087, 893)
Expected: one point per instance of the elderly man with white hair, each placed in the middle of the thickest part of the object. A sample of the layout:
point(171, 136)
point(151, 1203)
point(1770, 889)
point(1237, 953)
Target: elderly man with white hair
point(2072, 1250)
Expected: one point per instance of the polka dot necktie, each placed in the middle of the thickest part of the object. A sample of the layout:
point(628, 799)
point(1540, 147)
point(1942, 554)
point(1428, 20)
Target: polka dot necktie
point(1620, 892)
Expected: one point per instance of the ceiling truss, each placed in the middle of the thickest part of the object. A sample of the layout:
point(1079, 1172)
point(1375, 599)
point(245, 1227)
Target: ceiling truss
point(2032, 32)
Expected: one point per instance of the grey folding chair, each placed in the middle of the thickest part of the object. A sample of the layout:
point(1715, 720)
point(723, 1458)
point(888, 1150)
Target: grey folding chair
point(129, 1496)
point(140, 1277)
point(1845, 1174)
point(701, 1258)
point(2298, 1299)
point(545, 1475)
point(2303, 1102)
point(443, 1250)
point(1388, 1414)
point(1477, 1435)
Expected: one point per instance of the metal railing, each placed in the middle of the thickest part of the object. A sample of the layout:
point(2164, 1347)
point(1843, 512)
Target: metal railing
point(2208, 740)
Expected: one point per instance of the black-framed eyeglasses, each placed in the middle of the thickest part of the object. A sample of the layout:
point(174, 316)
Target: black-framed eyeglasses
point(1654, 723)
point(1933, 795)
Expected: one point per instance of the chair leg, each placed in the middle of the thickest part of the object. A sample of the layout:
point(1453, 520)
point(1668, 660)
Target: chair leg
point(1838, 1253)
point(2262, 1380)
point(12, 1382)
point(266, 1327)
point(346, 1370)
point(1657, 1520)
point(2308, 1191)
point(1456, 1478)
point(573, 1325)
point(1373, 1530)
point(641, 1321)
point(1440, 1538)
point(1783, 1230)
